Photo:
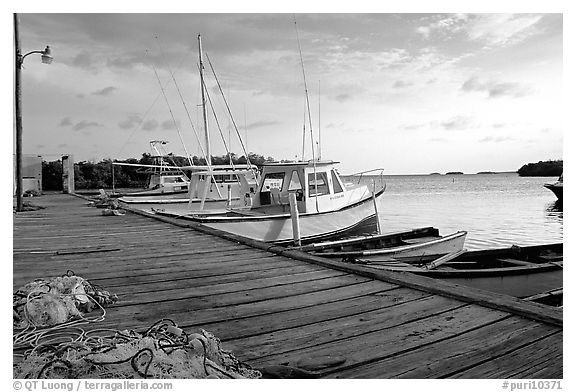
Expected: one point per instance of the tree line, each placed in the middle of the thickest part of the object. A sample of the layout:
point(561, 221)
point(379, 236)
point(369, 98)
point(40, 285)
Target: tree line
point(542, 169)
point(96, 175)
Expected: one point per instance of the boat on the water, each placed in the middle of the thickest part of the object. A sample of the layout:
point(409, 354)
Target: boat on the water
point(413, 244)
point(517, 271)
point(557, 187)
point(326, 207)
point(210, 185)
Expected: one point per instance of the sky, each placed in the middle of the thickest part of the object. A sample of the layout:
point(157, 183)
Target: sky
point(409, 93)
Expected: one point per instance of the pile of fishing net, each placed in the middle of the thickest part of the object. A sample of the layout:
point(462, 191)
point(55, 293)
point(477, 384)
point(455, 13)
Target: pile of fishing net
point(48, 302)
point(110, 205)
point(162, 351)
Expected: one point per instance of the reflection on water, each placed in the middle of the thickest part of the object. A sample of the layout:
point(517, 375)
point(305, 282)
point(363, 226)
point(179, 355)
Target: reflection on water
point(554, 211)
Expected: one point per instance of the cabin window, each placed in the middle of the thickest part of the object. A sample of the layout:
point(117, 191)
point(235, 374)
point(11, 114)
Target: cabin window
point(295, 183)
point(272, 180)
point(336, 184)
point(320, 184)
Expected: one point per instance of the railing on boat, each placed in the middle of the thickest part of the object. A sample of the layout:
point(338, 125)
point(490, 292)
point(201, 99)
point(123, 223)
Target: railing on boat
point(379, 177)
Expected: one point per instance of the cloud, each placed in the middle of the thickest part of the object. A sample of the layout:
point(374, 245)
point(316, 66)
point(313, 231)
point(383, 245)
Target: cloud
point(342, 97)
point(489, 29)
point(502, 29)
point(105, 91)
point(62, 145)
point(495, 89)
point(132, 121)
point(150, 125)
point(402, 84)
point(457, 123)
point(442, 25)
point(169, 124)
point(262, 123)
point(84, 60)
point(412, 127)
point(85, 124)
point(65, 122)
point(496, 139)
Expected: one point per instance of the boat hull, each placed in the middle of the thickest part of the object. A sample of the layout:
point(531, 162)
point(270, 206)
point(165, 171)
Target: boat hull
point(423, 247)
point(558, 190)
point(357, 218)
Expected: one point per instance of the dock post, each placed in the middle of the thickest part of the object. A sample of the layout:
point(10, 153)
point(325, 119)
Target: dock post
point(295, 219)
point(67, 174)
point(229, 196)
point(376, 206)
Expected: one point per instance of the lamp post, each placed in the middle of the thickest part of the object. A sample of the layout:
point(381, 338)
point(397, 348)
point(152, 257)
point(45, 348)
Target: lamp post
point(19, 59)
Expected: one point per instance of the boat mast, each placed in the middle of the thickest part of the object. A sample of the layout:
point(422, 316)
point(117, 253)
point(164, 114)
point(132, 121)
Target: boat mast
point(319, 134)
point(206, 134)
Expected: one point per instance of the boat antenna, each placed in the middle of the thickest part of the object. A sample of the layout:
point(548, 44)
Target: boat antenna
point(304, 132)
point(203, 87)
point(319, 134)
point(309, 117)
point(245, 127)
point(305, 88)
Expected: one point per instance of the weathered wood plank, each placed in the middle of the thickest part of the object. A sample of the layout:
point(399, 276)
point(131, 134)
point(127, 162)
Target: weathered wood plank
point(171, 290)
point(299, 316)
point(457, 353)
point(537, 359)
point(391, 338)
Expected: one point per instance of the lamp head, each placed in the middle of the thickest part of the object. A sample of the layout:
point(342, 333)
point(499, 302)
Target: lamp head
point(47, 56)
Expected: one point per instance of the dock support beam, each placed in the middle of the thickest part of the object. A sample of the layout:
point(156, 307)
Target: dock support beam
point(295, 219)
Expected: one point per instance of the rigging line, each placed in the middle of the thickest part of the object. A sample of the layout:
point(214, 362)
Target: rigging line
point(165, 98)
point(309, 117)
point(183, 103)
point(305, 88)
point(230, 113)
point(151, 106)
point(222, 136)
point(218, 124)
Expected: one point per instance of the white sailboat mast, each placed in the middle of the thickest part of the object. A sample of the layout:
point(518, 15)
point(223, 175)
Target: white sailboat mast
point(206, 134)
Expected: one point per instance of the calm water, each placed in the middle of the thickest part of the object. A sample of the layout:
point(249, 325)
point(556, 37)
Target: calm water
point(497, 210)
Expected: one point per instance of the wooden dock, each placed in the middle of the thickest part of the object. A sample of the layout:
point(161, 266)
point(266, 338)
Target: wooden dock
point(271, 306)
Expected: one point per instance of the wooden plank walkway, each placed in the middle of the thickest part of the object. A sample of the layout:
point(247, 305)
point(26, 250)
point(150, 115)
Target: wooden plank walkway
point(270, 309)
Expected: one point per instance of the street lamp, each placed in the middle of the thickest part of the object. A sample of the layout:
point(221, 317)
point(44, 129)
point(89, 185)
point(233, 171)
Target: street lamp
point(19, 59)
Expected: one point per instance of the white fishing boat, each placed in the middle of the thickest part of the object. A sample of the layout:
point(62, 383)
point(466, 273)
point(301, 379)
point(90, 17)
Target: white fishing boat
point(211, 186)
point(322, 204)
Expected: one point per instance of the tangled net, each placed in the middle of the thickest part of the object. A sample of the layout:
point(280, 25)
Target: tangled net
point(162, 351)
point(44, 305)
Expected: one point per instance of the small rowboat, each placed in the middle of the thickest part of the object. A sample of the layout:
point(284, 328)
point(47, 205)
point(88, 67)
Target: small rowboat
point(516, 271)
point(414, 245)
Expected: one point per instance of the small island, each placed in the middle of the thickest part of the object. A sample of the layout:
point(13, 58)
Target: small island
point(542, 169)
point(486, 172)
point(454, 173)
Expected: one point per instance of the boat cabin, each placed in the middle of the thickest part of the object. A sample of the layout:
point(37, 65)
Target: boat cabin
point(317, 186)
point(168, 182)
